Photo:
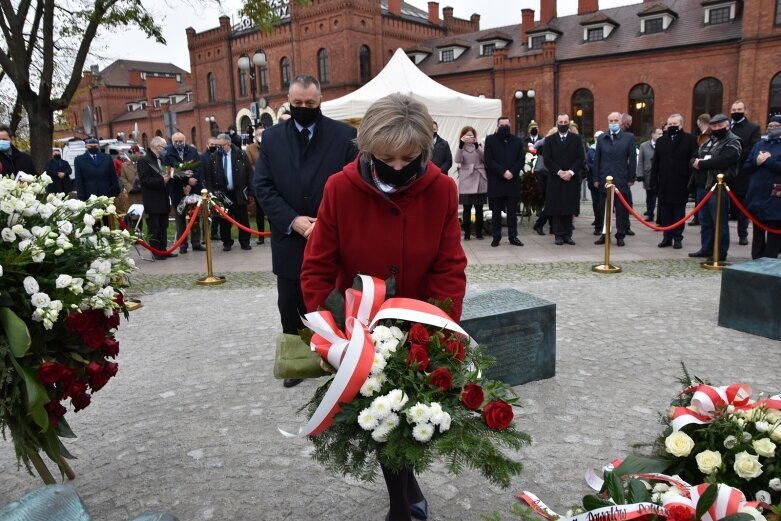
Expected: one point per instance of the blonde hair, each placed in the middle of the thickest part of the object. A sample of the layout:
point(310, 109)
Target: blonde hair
point(395, 122)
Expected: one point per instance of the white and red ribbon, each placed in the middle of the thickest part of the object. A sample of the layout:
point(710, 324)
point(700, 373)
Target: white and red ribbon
point(351, 352)
point(707, 401)
point(611, 513)
point(596, 482)
point(728, 501)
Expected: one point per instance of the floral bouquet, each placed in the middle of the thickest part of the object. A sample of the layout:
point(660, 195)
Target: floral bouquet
point(532, 196)
point(61, 280)
point(180, 170)
point(416, 392)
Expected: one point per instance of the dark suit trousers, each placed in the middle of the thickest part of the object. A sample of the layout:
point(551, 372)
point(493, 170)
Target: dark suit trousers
point(562, 226)
point(622, 215)
point(239, 213)
point(765, 244)
point(181, 225)
point(290, 301)
point(260, 217)
point(403, 490)
point(670, 213)
point(509, 205)
point(158, 230)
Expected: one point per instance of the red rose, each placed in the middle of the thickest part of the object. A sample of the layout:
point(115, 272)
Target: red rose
point(418, 335)
point(119, 298)
point(98, 381)
point(81, 322)
point(418, 355)
point(94, 368)
point(498, 415)
point(455, 348)
point(80, 401)
point(93, 338)
point(56, 411)
point(50, 372)
point(472, 396)
point(112, 322)
point(75, 388)
point(677, 512)
point(110, 369)
point(441, 378)
point(69, 375)
point(110, 347)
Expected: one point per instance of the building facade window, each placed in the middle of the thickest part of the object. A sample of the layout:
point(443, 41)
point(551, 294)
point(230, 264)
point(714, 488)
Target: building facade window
point(364, 60)
point(488, 49)
point(525, 111)
point(284, 72)
point(242, 83)
point(447, 55)
point(778, 12)
point(322, 66)
point(214, 128)
point(595, 35)
point(719, 15)
point(708, 98)
point(641, 108)
point(537, 41)
point(193, 136)
point(582, 112)
point(774, 100)
point(262, 75)
point(654, 25)
point(212, 83)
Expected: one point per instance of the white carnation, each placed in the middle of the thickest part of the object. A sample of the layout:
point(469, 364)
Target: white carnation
point(390, 422)
point(381, 333)
point(367, 420)
point(63, 281)
point(379, 363)
point(380, 434)
point(435, 413)
point(371, 386)
point(396, 333)
point(397, 399)
point(418, 413)
point(423, 432)
point(30, 285)
point(381, 407)
point(40, 300)
point(444, 423)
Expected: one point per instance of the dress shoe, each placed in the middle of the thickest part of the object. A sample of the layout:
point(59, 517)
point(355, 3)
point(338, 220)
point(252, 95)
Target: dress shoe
point(620, 242)
point(743, 241)
point(593, 223)
point(699, 253)
point(677, 245)
point(260, 241)
point(226, 247)
point(666, 243)
point(291, 382)
point(515, 241)
point(246, 247)
point(597, 232)
point(601, 240)
point(495, 243)
point(479, 236)
point(559, 241)
point(183, 251)
point(629, 232)
point(467, 237)
point(160, 257)
point(539, 230)
point(569, 241)
point(216, 237)
point(198, 247)
point(693, 222)
point(419, 510)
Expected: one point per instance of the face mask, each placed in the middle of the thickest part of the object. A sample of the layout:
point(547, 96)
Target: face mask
point(231, 132)
point(92, 149)
point(305, 116)
point(533, 132)
point(773, 132)
point(737, 116)
point(563, 128)
point(672, 130)
point(718, 134)
point(5, 145)
point(504, 130)
point(211, 148)
point(179, 147)
point(220, 150)
point(56, 156)
point(393, 177)
point(614, 127)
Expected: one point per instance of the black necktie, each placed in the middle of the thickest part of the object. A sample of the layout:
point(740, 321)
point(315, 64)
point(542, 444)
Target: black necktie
point(563, 139)
point(305, 136)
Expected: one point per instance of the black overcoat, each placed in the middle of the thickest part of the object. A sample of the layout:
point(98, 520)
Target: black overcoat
point(241, 169)
point(563, 197)
point(504, 153)
point(154, 193)
point(95, 176)
point(670, 170)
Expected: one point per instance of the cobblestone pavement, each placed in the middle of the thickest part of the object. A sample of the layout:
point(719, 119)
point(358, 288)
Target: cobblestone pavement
point(190, 423)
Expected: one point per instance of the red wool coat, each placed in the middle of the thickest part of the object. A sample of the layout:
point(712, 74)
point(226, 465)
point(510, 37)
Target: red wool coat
point(414, 234)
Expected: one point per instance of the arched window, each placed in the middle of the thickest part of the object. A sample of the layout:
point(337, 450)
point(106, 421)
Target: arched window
point(774, 100)
point(364, 58)
point(263, 78)
point(158, 133)
point(242, 83)
point(583, 112)
point(525, 110)
point(708, 99)
point(214, 128)
point(265, 120)
point(193, 136)
point(212, 84)
point(284, 72)
point(245, 127)
point(322, 66)
point(641, 108)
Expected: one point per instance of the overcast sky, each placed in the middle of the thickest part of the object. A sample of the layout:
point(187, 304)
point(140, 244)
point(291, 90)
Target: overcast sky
point(175, 16)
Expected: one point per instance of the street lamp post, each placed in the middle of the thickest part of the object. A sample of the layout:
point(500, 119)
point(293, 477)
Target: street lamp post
point(258, 60)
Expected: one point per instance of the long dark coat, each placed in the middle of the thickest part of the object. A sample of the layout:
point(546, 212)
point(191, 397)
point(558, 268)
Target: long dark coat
point(153, 190)
point(95, 177)
point(670, 171)
point(563, 197)
point(242, 174)
point(504, 153)
point(749, 135)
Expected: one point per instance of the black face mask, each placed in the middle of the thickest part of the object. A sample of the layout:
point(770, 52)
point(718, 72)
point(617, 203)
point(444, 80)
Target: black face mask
point(93, 149)
point(503, 130)
point(305, 116)
point(720, 133)
point(737, 116)
point(672, 130)
point(56, 156)
point(533, 132)
point(393, 177)
point(562, 128)
point(211, 149)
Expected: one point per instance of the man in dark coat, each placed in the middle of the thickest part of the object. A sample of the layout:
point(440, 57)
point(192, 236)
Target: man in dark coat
point(229, 172)
point(13, 160)
point(504, 156)
point(95, 174)
point(154, 179)
point(763, 198)
point(440, 152)
point(564, 159)
point(182, 184)
point(60, 172)
point(297, 156)
point(669, 177)
point(615, 156)
point(749, 135)
point(211, 147)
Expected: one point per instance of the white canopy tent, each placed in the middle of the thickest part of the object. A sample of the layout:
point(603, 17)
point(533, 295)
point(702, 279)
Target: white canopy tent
point(451, 109)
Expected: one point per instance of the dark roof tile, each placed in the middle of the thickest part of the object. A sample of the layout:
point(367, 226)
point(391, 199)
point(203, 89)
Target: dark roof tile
point(117, 73)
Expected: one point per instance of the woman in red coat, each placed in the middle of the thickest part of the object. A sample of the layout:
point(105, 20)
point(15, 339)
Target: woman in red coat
point(390, 212)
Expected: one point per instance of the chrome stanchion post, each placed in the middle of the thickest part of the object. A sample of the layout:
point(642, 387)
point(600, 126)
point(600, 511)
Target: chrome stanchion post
point(606, 267)
point(717, 264)
point(209, 279)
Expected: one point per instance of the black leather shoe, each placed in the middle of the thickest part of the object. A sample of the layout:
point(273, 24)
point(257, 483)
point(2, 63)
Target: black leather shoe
point(677, 245)
point(226, 247)
point(693, 222)
point(597, 232)
point(246, 247)
point(601, 240)
point(479, 236)
point(467, 237)
point(699, 253)
point(559, 241)
point(419, 510)
point(291, 382)
point(539, 230)
point(666, 243)
point(569, 241)
point(620, 242)
point(260, 241)
point(183, 251)
point(515, 241)
point(629, 232)
point(198, 247)
point(495, 243)
point(216, 238)
point(743, 241)
point(160, 257)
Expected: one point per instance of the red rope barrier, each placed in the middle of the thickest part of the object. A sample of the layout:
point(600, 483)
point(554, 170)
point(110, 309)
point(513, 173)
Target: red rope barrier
point(753, 219)
point(671, 226)
point(193, 218)
point(239, 225)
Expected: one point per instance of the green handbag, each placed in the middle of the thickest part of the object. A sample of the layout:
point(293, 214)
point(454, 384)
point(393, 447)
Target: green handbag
point(295, 359)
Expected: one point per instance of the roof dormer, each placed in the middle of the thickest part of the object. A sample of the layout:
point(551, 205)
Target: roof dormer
point(541, 34)
point(720, 11)
point(598, 27)
point(449, 52)
point(418, 53)
point(656, 19)
point(492, 41)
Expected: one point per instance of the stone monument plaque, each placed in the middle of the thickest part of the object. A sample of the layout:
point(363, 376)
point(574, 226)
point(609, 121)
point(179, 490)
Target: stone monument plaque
point(751, 298)
point(518, 329)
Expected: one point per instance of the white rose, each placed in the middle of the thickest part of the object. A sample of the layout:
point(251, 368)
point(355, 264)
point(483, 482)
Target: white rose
point(111, 209)
point(764, 447)
point(38, 255)
point(89, 220)
point(8, 235)
point(23, 245)
point(775, 484)
point(775, 432)
point(58, 252)
point(423, 432)
point(66, 227)
point(763, 496)
point(661, 487)
point(397, 399)
point(367, 420)
point(40, 300)
point(63, 281)
point(679, 444)
point(752, 512)
point(97, 213)
point(45, 210)
point(30, 285)
point(708, 461)
point(7, 207)
point(762, 426)
point(747, 466)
